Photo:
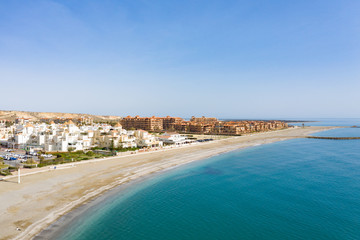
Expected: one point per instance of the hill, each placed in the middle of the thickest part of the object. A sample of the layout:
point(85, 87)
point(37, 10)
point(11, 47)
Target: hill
point(36, 116)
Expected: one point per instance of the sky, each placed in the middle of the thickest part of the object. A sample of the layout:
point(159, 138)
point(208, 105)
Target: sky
point(227, 59)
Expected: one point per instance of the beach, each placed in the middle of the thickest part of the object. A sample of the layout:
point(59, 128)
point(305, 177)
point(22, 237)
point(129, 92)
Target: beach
point(43, 197)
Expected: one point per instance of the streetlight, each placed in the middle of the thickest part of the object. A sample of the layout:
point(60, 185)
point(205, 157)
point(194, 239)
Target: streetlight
point(18, 167)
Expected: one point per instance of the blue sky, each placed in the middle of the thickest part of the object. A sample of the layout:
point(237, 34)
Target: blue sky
point(228, 59)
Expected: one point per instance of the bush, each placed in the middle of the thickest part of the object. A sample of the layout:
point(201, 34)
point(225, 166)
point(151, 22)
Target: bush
point(4, 167)
point(5, 172)
point(31, 161)
point(30, 165)
point(90, 153)
point(58, 160)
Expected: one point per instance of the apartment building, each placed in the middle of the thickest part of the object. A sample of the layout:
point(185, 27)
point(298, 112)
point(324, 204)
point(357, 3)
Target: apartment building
point(145, 123)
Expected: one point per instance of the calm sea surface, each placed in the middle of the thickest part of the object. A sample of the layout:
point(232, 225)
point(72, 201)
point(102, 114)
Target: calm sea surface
point(296, 189)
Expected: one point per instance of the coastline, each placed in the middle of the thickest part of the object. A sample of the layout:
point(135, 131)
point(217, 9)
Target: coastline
point(56, 228)
point(43, 198)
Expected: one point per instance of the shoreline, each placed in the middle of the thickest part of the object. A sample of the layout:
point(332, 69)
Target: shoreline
point(56, 228)
point(99, 178)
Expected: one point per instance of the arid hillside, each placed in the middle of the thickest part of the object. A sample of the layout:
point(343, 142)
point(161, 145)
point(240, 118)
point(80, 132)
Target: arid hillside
point(36, 116)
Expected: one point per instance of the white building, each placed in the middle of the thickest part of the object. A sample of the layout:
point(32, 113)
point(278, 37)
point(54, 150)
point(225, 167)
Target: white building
point(145, 139)
point(173, 138)
point(63, 137)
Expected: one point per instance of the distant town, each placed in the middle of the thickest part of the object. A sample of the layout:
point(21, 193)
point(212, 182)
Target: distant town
point(62, 134)
point(48, 141)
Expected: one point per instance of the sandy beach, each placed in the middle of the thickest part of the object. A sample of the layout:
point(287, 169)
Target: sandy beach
point(47, 194)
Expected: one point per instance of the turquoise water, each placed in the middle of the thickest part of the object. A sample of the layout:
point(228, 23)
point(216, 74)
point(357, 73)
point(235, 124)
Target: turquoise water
point(330, 122)
point(296, 189)
point(345, 132)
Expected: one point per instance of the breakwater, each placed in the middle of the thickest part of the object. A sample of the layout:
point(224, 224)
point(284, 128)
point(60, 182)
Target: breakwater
point(334, 138)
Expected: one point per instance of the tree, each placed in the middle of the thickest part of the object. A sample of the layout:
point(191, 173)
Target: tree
point(70, 149)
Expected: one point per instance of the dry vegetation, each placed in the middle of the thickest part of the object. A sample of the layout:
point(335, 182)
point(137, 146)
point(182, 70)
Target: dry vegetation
point(35, 116)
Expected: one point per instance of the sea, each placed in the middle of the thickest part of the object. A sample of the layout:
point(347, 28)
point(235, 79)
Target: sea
point(294, 189)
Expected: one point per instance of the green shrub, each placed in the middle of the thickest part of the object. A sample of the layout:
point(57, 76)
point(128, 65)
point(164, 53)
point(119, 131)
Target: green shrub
point(30, 165)
point(5, 172)
point(90, 153)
